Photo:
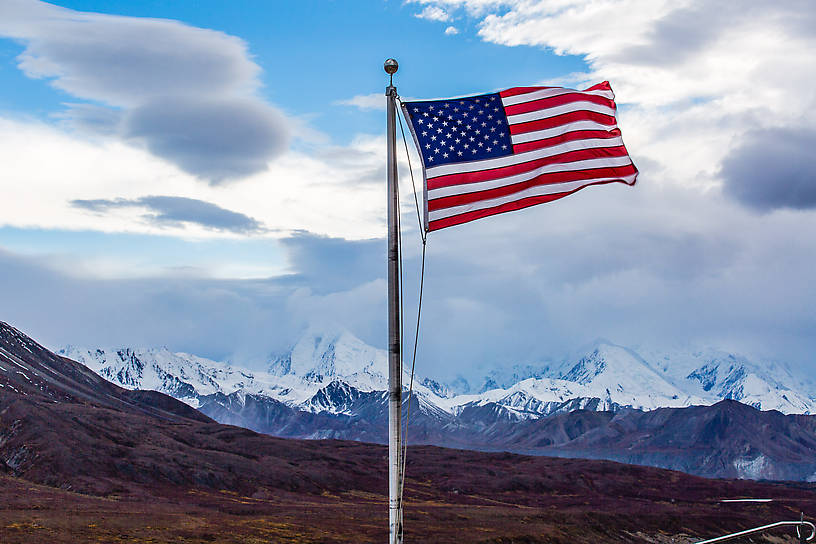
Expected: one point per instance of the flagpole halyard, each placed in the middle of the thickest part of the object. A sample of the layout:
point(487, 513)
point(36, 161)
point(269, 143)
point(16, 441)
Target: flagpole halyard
point(394, 339)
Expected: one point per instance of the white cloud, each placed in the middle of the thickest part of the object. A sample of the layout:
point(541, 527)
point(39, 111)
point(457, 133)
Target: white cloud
point(433, 13)
point(332, 190)
point(187, 94)
point(373, 101)
point(692, 77)
point(451, 31)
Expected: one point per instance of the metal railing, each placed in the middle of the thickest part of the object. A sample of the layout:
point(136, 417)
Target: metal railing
point(800, 531)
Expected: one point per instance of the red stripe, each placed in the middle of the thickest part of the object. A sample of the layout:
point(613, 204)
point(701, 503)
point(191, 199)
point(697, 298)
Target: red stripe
point(522, 90)
point(506, 171)
point(543, 179)
point(508, 207)
point(557, 100)
point(563, 119)
point(566, 137)
point(603, 86)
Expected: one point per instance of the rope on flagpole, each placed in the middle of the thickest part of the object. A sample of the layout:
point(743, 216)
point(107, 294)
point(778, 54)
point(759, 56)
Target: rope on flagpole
point(423, 236)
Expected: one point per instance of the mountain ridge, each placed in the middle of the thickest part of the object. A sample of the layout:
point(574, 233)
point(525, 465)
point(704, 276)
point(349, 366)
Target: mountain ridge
point(319, 389)
point(616, 376)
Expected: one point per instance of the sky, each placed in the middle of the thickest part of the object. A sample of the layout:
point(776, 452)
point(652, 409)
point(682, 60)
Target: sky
point(210, 176)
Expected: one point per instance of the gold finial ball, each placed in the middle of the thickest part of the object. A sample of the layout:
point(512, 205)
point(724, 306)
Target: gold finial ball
point(391, 67)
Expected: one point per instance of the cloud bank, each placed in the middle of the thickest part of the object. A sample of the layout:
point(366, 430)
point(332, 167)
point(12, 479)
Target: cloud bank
point(773, 168)
point(187, 94)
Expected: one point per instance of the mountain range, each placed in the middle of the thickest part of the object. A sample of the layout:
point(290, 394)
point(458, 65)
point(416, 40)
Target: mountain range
point(704, 412)
point(131, 464)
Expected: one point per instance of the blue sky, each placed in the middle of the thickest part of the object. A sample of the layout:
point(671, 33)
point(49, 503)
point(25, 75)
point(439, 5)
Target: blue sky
point(229, 157)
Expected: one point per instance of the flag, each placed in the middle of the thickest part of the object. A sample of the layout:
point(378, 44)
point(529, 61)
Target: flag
point(494, 153)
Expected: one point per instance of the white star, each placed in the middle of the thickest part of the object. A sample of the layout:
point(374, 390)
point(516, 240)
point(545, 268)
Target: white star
point(445, 155)
point(489, 149)
point(504, 147)
point(430, 158)
point(459, 153)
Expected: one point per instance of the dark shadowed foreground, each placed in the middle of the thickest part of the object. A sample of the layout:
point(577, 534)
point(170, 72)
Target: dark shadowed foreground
point(82, 460)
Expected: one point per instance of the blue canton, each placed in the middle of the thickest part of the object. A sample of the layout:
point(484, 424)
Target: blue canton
point(461, 129)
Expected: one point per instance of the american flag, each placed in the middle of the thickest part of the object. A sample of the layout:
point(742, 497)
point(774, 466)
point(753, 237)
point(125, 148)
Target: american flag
point(493, 153)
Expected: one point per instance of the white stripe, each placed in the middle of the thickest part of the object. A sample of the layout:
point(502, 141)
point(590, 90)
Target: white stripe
point(558, 110)
point(546, 93)
point(465, 188)
point(532, 191)
point(558, 131)
point(519, 158)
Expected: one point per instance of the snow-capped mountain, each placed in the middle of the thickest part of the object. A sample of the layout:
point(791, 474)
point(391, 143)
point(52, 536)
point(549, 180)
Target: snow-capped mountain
point(320, 356)
point(180, 375)
point(330, 384)
point(327, 371)
point(716, 375)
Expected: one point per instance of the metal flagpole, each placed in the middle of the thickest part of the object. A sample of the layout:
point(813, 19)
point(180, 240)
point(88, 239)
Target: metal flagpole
point(394, 347)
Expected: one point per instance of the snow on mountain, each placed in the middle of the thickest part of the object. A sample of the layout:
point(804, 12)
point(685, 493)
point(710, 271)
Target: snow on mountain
point(320, 356)
point(180, 375)
point(620, 376)
point(332, 371)
point(607, 378)
point(321, 372)
point(716, 375)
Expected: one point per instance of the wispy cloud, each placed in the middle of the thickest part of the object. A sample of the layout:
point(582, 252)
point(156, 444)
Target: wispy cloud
point(373, 101)
point(172, 210)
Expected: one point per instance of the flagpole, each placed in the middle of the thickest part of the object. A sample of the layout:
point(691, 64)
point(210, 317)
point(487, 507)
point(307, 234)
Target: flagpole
point(394, 347)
